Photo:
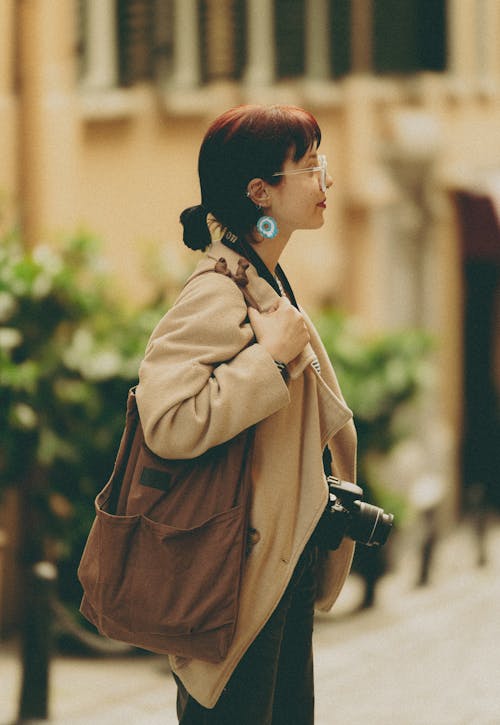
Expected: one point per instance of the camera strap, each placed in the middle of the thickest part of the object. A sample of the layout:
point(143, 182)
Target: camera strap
point(327, 461)
point(242, 247)
point(246, 250)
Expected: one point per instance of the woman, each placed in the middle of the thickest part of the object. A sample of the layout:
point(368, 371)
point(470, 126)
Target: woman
point(214, 367)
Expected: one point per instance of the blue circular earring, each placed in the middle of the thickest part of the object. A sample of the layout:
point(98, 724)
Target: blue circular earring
point(267, 226)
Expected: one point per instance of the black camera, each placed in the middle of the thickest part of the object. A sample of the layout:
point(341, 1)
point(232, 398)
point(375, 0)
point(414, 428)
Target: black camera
point(347, 515)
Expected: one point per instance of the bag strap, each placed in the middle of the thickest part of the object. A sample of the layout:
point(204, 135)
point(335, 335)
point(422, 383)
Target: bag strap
point(231, 241)
point(239, 278)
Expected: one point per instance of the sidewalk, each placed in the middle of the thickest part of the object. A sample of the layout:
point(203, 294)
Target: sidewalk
point(428, 656)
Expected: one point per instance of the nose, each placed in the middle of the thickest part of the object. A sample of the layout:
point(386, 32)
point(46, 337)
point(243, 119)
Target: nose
point(328, 180)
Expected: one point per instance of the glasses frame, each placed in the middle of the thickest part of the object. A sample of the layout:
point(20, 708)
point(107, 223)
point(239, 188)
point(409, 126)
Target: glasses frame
point(323, 166)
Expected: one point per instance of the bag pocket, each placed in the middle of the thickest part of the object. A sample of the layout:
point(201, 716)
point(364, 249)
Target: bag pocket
point(184, 579)
point(104, 570)
point(159, 579)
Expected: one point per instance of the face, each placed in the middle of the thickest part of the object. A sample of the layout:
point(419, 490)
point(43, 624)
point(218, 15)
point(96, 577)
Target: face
point(298, 201)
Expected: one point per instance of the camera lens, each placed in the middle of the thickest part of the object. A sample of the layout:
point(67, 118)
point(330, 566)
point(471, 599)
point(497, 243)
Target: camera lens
point(371, 525)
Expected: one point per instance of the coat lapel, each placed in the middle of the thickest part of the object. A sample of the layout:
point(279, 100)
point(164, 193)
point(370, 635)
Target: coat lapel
point(333, 410)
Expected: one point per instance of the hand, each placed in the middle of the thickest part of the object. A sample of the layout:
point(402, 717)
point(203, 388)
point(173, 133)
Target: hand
point(281, 330)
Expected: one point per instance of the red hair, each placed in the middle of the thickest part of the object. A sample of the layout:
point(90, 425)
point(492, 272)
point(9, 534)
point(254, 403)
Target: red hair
point(244, 143)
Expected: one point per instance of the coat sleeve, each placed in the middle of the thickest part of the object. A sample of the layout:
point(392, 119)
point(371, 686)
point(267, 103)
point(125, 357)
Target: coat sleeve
point(204, 378)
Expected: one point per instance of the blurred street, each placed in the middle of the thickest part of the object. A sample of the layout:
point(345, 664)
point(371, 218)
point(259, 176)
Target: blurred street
point(421, 656)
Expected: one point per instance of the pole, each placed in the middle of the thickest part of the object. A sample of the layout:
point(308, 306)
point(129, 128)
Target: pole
point(37, 642)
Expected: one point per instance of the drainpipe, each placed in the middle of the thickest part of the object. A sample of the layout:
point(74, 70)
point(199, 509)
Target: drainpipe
point(48, 114)
point(8, 137)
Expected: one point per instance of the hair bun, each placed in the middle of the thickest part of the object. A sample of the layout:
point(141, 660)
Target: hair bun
point(196, 234)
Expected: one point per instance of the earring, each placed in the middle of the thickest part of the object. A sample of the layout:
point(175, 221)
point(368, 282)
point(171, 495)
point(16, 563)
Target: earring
point(267, 226)
point(257, 206)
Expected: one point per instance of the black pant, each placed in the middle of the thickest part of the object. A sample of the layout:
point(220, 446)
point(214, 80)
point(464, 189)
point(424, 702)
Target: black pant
point(273, 682)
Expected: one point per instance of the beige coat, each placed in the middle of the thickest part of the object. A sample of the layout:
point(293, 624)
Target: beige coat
point(203, 380)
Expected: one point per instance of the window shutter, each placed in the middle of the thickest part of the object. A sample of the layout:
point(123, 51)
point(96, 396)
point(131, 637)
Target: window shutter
point(289, 32)
point(340, 29)
point(136, 40)
point(222, 42)
point(409, 35)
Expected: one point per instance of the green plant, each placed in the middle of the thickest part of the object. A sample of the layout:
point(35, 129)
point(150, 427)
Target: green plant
point(379, 376)
point(69, 351)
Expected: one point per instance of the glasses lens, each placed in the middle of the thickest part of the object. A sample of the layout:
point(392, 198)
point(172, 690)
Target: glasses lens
point(322, 178)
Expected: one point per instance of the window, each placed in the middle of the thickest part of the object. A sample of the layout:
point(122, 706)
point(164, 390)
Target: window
point(136, 40)
point(222, 39)
point(388, 36)
point(187, 43)
point(290, 23)
point(340, 32)
point(408, 36)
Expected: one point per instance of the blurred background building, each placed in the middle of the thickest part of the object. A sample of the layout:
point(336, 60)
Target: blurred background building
point(103, 104)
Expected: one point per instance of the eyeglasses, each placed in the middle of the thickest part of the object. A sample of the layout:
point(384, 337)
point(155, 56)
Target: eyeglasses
point(322, 168)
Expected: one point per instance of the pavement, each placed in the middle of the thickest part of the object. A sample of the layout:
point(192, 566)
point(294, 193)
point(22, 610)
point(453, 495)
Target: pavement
point(421, 656)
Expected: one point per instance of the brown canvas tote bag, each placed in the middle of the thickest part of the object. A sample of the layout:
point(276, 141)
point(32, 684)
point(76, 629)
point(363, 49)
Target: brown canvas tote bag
point(163, 561)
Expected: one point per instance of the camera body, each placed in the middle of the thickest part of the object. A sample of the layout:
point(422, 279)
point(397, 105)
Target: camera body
point(347, 515)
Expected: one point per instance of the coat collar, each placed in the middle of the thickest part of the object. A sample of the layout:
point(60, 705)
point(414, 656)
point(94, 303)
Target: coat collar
point(264, 295)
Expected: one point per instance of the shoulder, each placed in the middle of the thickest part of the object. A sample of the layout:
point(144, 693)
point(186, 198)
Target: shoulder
point(209, 307)
point(214, 287)
point(208, 294)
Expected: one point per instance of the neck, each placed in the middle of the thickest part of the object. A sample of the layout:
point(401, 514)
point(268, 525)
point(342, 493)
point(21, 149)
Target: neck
point(265, 264)
point(270, 250)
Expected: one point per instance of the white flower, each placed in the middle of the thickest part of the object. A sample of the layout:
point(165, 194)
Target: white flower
point(47, 258)
point(101, 365)
point(50, 264)
point(41, 286)
point(80, 348)
point(24, 416)
point(89, 360)
point(10, 338)
point(8, 305)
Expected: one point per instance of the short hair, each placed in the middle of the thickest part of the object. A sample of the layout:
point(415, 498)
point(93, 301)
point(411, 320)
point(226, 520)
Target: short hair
point(246, 142)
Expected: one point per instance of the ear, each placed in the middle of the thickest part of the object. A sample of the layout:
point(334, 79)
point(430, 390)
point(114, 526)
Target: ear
point(258, 193)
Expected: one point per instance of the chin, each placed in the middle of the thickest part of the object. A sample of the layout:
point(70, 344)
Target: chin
point(313, 224)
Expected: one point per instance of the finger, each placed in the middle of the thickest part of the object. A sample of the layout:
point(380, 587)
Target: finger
point(253, 314)
point(274, 306)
